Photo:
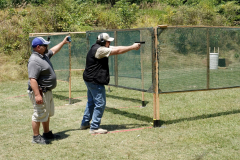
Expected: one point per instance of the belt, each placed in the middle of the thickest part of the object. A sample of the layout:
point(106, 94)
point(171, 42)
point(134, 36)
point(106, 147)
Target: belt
point(44, 89)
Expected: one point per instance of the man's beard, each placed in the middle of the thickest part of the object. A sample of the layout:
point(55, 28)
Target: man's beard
point(46, 51)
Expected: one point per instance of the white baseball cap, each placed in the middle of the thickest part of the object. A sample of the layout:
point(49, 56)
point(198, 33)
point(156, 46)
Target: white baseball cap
point(105, 37)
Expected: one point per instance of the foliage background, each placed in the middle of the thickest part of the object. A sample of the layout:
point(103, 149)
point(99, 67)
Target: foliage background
point(197, 125)
point(19, 18)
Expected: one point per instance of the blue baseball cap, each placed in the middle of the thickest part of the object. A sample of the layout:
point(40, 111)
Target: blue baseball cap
point(39, 41)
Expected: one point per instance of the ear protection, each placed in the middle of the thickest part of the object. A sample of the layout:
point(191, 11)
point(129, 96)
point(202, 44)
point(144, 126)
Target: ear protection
point(103, 42)
point(101, 38)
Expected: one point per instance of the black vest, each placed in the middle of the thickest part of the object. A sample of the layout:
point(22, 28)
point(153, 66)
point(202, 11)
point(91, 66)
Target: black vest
point(96, 70)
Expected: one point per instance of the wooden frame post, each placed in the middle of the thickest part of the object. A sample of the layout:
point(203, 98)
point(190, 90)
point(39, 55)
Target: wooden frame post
point(208, 60)
point(70, 63)
point(156, 117)
point(156, 111)
point(142, 73)
point(115, 60)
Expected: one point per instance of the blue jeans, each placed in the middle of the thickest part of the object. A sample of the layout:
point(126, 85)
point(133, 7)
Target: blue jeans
point(95, 105)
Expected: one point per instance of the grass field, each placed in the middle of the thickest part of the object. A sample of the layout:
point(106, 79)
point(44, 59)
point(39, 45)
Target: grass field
point(196, 125)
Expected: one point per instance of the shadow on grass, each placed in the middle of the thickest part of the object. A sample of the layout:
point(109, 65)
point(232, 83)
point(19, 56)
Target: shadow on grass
point(149, 119)
point(78, 91)
point(114, 127)
point(126, 99)
point(63, 134)
point(128, 114)
point(61, 97)
point(204, 116)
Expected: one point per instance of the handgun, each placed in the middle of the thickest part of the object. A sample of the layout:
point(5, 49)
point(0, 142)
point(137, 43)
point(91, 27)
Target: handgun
point(142, 42)
point(69, 39)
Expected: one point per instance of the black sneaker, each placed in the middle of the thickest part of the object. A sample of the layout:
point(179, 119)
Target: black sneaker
point(84, 127)
point(39, 140)
point(50, 135)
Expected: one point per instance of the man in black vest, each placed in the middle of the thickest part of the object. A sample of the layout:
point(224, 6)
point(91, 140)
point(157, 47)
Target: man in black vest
point(96, 75)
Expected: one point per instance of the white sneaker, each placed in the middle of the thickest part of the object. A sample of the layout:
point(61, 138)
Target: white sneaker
point(98, 131)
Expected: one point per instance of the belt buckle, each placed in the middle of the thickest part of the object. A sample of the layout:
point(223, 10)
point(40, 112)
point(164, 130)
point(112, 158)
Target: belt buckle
point(44, 90)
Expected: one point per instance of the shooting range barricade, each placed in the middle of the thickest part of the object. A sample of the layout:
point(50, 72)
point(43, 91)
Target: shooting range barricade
point(173, 59)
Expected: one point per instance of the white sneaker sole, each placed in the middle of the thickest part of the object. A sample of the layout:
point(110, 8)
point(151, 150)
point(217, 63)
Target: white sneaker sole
point(98, 131)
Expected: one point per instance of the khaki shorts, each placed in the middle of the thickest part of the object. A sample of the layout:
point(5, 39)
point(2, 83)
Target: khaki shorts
point(41, 112)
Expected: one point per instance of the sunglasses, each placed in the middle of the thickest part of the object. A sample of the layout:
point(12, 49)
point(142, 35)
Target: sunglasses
point(43, 45)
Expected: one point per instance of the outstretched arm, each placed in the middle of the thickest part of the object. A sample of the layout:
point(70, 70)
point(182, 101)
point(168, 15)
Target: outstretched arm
point(123, 49)
point(58, 47)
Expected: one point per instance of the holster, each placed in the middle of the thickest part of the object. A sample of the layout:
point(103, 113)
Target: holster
point(40, 91)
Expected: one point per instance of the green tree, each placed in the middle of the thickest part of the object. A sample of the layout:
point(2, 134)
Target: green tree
point(127, 13)
point(230, 10)
point(3, 4)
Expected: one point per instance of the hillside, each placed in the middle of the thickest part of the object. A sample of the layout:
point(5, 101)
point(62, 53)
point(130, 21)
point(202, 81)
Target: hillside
point(18, 20)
